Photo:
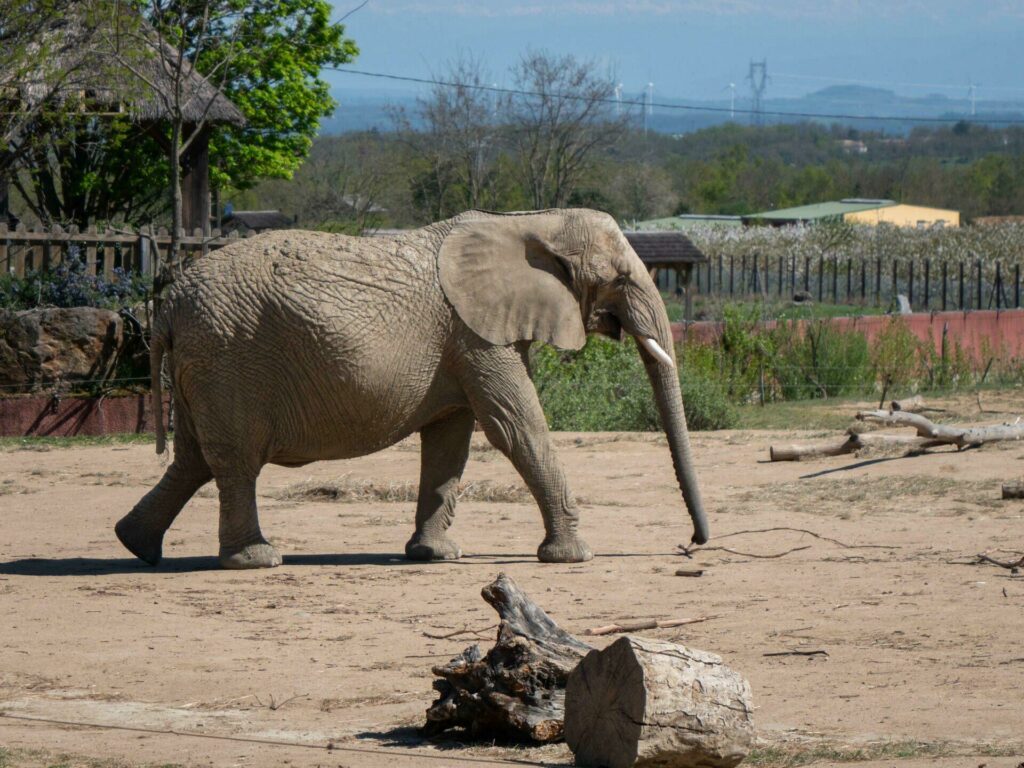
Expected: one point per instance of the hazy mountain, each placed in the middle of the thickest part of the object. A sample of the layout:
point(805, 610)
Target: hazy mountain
point(852, 105)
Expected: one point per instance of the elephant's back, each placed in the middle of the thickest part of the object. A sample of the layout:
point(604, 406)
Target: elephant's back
point(338, 339)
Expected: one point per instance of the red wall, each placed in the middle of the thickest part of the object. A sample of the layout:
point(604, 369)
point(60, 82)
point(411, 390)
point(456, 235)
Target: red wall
point(32, 415)
point(977, 333)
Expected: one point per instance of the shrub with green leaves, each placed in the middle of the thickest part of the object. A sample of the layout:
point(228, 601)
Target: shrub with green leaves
point(820, 361)
point(604, 387)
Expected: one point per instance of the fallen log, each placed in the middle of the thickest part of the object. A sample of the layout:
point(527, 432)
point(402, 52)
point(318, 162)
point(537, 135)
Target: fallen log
point(852, 443)
point(516, 690)
point(648, 702)
point(929, 435)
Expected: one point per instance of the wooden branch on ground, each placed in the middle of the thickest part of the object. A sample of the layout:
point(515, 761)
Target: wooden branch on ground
point(913, 404)
point(929, 435)
point(635, 626)
point(1013, 567)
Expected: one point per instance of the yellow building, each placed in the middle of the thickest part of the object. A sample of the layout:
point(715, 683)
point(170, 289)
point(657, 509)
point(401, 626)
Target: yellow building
point(857, 210)
point(906, 216)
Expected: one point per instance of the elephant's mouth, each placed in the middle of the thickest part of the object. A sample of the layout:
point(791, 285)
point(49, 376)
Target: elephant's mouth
point(606, 324)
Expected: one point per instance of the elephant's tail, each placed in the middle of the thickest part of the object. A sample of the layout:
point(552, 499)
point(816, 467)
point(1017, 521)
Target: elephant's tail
point(156, 360)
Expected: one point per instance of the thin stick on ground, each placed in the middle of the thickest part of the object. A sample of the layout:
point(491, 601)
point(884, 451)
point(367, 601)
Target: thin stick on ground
point(463, 631)
point(1010, 566)
point(810, 533)
point(635, 626)
point(796, 653)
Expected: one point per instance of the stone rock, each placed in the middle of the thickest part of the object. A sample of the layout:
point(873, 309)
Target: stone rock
point(40, 348)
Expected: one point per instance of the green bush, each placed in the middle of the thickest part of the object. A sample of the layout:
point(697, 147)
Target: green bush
point(604, 387)
point(821, 361)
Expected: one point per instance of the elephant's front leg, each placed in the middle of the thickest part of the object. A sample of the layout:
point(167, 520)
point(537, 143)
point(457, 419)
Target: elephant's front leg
point(505, 401)
point(444, 448)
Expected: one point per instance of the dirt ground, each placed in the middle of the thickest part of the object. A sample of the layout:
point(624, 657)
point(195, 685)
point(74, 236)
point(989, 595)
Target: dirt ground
point(106, 662)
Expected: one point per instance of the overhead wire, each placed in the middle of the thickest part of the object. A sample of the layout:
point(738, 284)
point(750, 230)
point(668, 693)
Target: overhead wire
point(643, 104)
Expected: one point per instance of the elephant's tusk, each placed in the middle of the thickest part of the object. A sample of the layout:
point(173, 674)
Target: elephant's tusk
point(656, 351)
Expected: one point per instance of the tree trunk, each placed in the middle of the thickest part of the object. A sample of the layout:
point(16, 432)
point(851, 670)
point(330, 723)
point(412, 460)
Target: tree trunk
point(654, 703)
point(518, 689)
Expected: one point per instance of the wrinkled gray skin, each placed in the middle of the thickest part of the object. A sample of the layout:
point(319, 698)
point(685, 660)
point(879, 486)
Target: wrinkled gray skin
point(293, 347)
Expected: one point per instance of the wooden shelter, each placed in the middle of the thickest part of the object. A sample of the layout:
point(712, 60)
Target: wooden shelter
point(140, 84)
point(667, 253)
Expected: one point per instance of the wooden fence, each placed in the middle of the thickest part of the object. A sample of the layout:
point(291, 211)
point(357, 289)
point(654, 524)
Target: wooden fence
point(938, 285)
point(23, 250)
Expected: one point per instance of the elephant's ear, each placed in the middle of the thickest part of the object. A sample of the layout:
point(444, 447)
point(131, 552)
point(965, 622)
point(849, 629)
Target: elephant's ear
point(508, 284)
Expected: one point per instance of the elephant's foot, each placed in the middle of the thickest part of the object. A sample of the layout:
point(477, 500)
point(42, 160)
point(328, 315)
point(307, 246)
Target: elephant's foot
point(423, 547)
point(142, 540)
point(260, 554)
point(564, 549)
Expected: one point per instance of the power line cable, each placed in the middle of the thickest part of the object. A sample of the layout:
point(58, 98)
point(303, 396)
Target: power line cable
point(687, 107)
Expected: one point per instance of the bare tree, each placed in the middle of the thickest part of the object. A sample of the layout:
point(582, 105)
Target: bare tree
point(563, 112)
point(47, 52)
point(458, 144)
point(156, 52)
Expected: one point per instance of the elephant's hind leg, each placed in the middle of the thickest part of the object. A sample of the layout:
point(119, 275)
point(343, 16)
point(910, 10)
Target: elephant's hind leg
point(443, 453)
point(241, 542)
point(142, 530)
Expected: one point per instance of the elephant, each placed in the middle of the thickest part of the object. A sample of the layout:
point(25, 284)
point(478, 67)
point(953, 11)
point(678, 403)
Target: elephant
point(291, 347)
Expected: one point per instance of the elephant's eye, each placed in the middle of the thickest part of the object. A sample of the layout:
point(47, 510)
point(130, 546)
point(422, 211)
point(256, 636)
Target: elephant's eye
point(622, 281)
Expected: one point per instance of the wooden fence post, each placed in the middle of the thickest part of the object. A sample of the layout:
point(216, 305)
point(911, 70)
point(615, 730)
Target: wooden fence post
point(960, 303)
point(895, 288)
point(910, 285)
point(821, 278)
point(1016, 286)
point(878, 281)
point(5, 257)
point(999, 285)
point(927, 281)
point(863, 281)
point(90, 251)
point(944, 276)
point(978, 306)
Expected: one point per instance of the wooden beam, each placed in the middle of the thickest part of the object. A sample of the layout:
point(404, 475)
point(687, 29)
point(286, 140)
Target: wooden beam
point(195, 185)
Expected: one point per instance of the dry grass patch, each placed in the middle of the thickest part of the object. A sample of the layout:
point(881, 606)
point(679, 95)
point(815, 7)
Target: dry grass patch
point(353, 490)
point(828, 495)
point(794, 755)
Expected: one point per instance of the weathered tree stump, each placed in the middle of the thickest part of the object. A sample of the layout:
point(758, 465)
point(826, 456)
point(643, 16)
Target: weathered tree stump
point(654, 703)
point(516, 690)
point(1013, 490)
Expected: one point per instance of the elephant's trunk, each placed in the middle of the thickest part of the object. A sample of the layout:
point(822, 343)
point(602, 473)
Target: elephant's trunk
point(665, 383)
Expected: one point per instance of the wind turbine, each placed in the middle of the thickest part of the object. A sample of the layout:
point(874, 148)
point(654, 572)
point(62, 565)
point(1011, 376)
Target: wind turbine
point(972, 95)
point(618, 99)
point(731, 87)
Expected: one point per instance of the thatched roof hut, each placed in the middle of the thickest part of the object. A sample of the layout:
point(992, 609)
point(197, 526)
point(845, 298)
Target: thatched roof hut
point(120, 65)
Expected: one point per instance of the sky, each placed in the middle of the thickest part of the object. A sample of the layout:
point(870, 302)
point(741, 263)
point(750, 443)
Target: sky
point(693, 49)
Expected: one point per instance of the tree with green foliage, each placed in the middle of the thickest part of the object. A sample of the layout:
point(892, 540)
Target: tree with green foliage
point(266, 56)
point(271, 61)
